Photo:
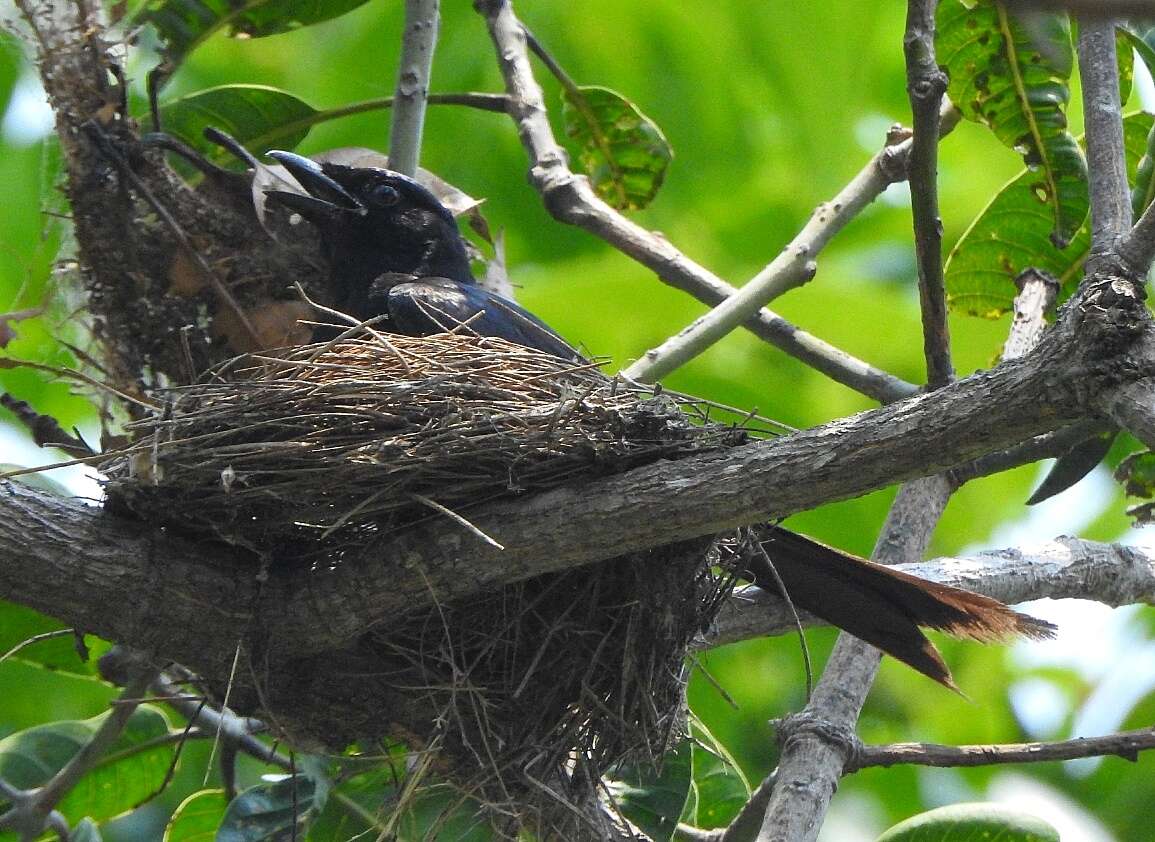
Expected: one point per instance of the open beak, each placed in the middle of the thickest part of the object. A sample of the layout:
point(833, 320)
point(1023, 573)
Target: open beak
point(324, 200)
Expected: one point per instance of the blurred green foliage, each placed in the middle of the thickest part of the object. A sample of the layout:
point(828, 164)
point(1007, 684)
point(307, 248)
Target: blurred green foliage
point(770, 109)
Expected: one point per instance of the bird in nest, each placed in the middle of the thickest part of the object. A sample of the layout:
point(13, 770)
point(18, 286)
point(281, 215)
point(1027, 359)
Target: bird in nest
point(395, 253)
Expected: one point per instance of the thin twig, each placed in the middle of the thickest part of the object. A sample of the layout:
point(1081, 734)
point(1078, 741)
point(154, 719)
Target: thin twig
point(793, 267)
point(458, 519)
point(422, 18)
point(1126, 744)
point(218, 724)
point(36, 638)
point(1106, 160)
point(926, 85)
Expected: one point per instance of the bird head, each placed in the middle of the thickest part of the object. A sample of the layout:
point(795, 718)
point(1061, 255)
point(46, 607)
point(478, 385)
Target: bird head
point(374, 221)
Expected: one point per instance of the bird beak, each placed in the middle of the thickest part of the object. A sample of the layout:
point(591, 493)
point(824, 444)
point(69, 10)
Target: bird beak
point(324, 200)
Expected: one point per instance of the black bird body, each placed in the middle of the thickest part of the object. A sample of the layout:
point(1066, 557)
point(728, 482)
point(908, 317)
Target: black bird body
point(395, 251)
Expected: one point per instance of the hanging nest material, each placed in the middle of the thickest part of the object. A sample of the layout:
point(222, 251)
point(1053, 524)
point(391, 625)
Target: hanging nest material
point(317, 450)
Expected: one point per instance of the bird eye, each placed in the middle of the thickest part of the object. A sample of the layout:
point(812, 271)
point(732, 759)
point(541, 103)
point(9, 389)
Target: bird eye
point(384, 195)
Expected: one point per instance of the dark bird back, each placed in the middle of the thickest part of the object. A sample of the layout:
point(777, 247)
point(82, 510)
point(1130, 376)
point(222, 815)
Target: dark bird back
point(394, 250)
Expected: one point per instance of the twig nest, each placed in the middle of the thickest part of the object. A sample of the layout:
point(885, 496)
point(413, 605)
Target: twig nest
point(323, 444)
point(530, 689)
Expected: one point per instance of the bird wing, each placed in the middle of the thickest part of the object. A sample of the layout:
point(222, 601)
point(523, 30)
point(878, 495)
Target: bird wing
point(434, 305)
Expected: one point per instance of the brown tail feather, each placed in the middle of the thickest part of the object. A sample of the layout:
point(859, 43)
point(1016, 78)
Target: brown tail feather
point(883, 606)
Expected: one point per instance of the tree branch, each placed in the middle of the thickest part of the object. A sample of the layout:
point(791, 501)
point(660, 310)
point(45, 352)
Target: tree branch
point(817, 742)
point(1106, 160)
point(120, 593)
point(926, 85)
point(1126, 744)
point(417, 44)
point(33, 810)
point(793, 267)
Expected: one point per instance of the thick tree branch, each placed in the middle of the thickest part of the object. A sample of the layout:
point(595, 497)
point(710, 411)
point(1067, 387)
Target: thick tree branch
point(103, 574)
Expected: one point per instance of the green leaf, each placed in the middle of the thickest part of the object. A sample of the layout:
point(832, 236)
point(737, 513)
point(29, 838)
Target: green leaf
point(197, 817)
point(22, 625)
point(1143, 189)
point(971, 823)
point(11, 63)
point(1013, 79)
point(85, 831)
point(622, 150)
point(1141, 36)
point(184, 24)
point(1072, 466)
point(654, 800)
point(1012, 233)
point(256, 115)
point(268, 812)
point(118, 782)
point(1125, 59)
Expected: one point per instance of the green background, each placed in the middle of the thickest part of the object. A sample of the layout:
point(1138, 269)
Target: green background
point(771, 107)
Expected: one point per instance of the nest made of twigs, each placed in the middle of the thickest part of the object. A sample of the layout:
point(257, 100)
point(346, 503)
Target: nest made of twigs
point(306, 452)
point(322, 442)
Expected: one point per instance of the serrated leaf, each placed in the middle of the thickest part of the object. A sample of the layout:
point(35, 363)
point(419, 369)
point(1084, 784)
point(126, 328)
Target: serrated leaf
point(184, 24)
point(971, 823)
point(1012, 234)
point(116, 784)
point(622, 150)
point(268, 812)
point(654, 800)
point(1014, 79)
point(256, 115)
point(197, 818)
